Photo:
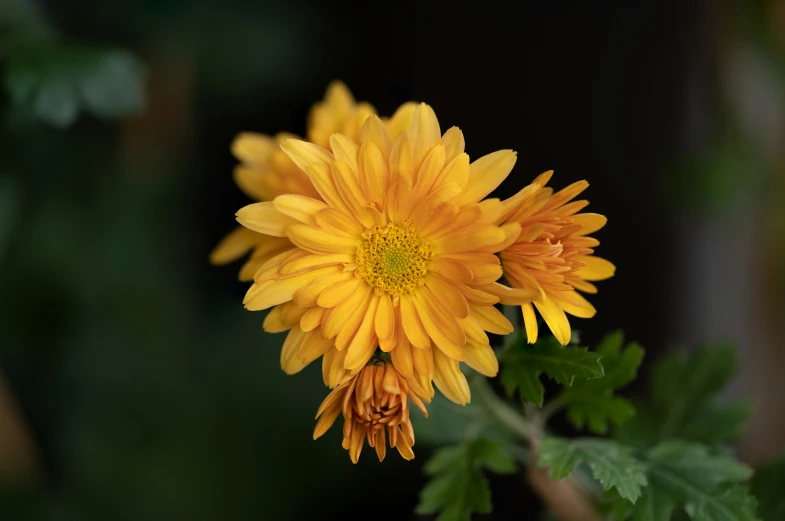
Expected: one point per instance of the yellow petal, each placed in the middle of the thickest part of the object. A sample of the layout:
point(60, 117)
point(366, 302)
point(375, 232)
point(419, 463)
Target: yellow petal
point(313, 346)
point(565, 195)
point(469, 239)
point(591, 222)
point(289, 361)
point(401, 356)
point(373, 131)
point(305, 154)
point(264, 218)
point(385, 318)
point(400, 120)
point(254, 182)
point(343, 321)
point(556, 320)
point(404, 449)
point(449, 379)
point(314, 161)
point(450, 298)
point(349, 188)
point(338, 292)
point(491, 319)
point(364, 342)
point(431, 168)
point(339, 223)
point(317, 240)
point(445, 331)
point(424, 133)
point(412, 325)
point(511, 296)
point(326, 420)
point(454, 144)
point(573, 303)
point(299, 207)
point(530, 321)
point(253, 148)
point(306, 297)
point(235, 245)
point(474, 332)
point(596, 268)
point(272, 292)
point(373, 172)
point(344, 150)
point(311, 319)
point(481, 358)
point(485, 174)
point(273, 322)
point(314, 260)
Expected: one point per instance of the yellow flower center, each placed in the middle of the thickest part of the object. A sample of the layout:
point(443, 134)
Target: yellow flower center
point(393, 259)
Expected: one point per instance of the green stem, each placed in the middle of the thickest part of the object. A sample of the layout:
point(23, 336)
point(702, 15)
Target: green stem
point(526, 429)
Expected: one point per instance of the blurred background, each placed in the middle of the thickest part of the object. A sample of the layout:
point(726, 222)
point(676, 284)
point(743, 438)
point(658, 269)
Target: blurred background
point(133, 384)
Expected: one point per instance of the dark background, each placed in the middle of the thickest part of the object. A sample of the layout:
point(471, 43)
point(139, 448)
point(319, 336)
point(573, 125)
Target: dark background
point(148, 392)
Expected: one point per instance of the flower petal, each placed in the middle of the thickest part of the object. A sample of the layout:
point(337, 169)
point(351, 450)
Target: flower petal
point(317, 240)
point(491, 319)
point(299, 207)
point(481, 358)
point(264, 218)
point(239, 242)
point(556, 319)
point(289, 361)
point(596, 268)
point(449, 379)
point(486, 174)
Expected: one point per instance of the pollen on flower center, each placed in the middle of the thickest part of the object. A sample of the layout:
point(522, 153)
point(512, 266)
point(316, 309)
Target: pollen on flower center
point(393, 259)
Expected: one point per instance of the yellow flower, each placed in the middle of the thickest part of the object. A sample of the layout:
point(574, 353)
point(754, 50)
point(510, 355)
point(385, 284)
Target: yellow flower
point(554, 254)
point(375, 405)
point(397, 253)
point(266, 172)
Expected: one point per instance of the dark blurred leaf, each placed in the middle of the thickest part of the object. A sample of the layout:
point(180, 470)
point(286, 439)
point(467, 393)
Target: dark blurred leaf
point(591, 401)
point(523, 364)
point(682, 401)
point(767, 486)
point(611, 463)
point(8, 212)
point(458, 485)
point(56, 82)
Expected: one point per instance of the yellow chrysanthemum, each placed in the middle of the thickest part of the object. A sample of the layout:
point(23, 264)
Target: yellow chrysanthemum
point(266, 172)
point(375, 407)
point(397, 253)
point(553, 254)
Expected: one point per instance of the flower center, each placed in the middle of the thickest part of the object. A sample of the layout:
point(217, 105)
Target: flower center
point(393, 259)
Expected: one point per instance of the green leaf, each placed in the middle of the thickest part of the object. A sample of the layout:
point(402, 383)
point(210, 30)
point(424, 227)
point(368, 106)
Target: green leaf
point(55, 82)
point(611, 463)
point(682, 403)
point(458, 485)
point(767, 486)
point(591, 402)
point(523, 365)
point(690, 476)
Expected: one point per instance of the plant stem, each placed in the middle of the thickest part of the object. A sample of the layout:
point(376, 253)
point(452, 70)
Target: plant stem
point(526, 429)
point(565, 499)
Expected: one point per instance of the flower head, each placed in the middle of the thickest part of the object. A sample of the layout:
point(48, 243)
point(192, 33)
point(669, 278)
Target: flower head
point(554, 254)
point(266, 172)
point(396, 252)
point(375, 407)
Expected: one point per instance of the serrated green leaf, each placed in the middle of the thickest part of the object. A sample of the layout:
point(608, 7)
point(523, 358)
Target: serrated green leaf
point(611, 463)
point(523, 365)
point(767, 486)
point(691, 476)
point(458, 485)
point(591, 402)
point(682, 401)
